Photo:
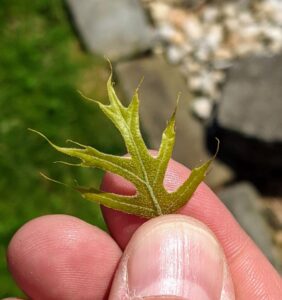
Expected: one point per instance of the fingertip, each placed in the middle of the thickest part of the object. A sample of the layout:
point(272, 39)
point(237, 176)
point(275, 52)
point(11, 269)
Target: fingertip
point(61, 257)
point(183, 259)
point(11, 299)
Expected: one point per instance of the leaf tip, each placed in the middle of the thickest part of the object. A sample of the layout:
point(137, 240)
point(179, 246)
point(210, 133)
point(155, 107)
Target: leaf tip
point(40, 134)
point(109, 82)
point(173, 115)
point(139, 84)
point(109, 62)
point(87, 98)
point(211, 160)
point(177, 104)
point(217, 147)
point(57, 181)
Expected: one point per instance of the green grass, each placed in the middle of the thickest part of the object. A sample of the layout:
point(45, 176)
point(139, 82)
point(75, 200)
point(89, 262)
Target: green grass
point(41, 66)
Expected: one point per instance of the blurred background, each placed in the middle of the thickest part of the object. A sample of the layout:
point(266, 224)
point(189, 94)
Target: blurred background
point(224, 56)
point(42, 65)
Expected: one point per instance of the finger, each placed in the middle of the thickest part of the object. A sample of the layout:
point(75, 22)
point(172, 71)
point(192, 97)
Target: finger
point(253, 276)
point(62, 257)
point(173, 256)
point(11, 299)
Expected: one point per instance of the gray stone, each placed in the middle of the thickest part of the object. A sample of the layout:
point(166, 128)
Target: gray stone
point(273, 211)
point(244, 203)
point(158, 93)
point(249, 117)
point(114, 28)
point(273, 219)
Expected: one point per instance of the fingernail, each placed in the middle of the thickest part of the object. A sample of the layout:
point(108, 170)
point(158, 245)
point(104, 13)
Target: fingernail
point(180, 258)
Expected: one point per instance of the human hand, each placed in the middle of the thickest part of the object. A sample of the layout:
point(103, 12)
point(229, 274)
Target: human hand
point(62, 257)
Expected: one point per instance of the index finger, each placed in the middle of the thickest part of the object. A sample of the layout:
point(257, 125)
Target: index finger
point(253, 276)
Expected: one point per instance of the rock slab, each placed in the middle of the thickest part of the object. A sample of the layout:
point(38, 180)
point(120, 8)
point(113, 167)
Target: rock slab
point(249, 117)
point(114, 28)
point(158, 93)
point(243, 201)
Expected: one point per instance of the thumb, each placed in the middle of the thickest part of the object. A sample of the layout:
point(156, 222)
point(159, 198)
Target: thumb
point(173, 257)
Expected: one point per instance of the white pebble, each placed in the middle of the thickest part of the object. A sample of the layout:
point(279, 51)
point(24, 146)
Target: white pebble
point(204, 83)
point(214, 36)
point(193, 28)
point(229, 10)
point(232, 24)
point(195, 83)
point(174, 54)
point(203, 53)
point(273, 33)
point(223, 53)
point(202, 107)
point(160, 11)
point(245, 18)
point(166, 32)
point(210, 14)
point(192, 66)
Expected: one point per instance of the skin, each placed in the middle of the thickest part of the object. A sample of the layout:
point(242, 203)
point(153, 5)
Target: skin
point(62, 257)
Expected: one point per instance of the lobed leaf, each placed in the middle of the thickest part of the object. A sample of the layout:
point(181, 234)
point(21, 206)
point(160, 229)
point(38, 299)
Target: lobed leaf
point(140, 167)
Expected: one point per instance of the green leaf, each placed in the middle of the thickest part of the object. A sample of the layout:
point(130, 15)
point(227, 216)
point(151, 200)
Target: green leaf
point(140, 167)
